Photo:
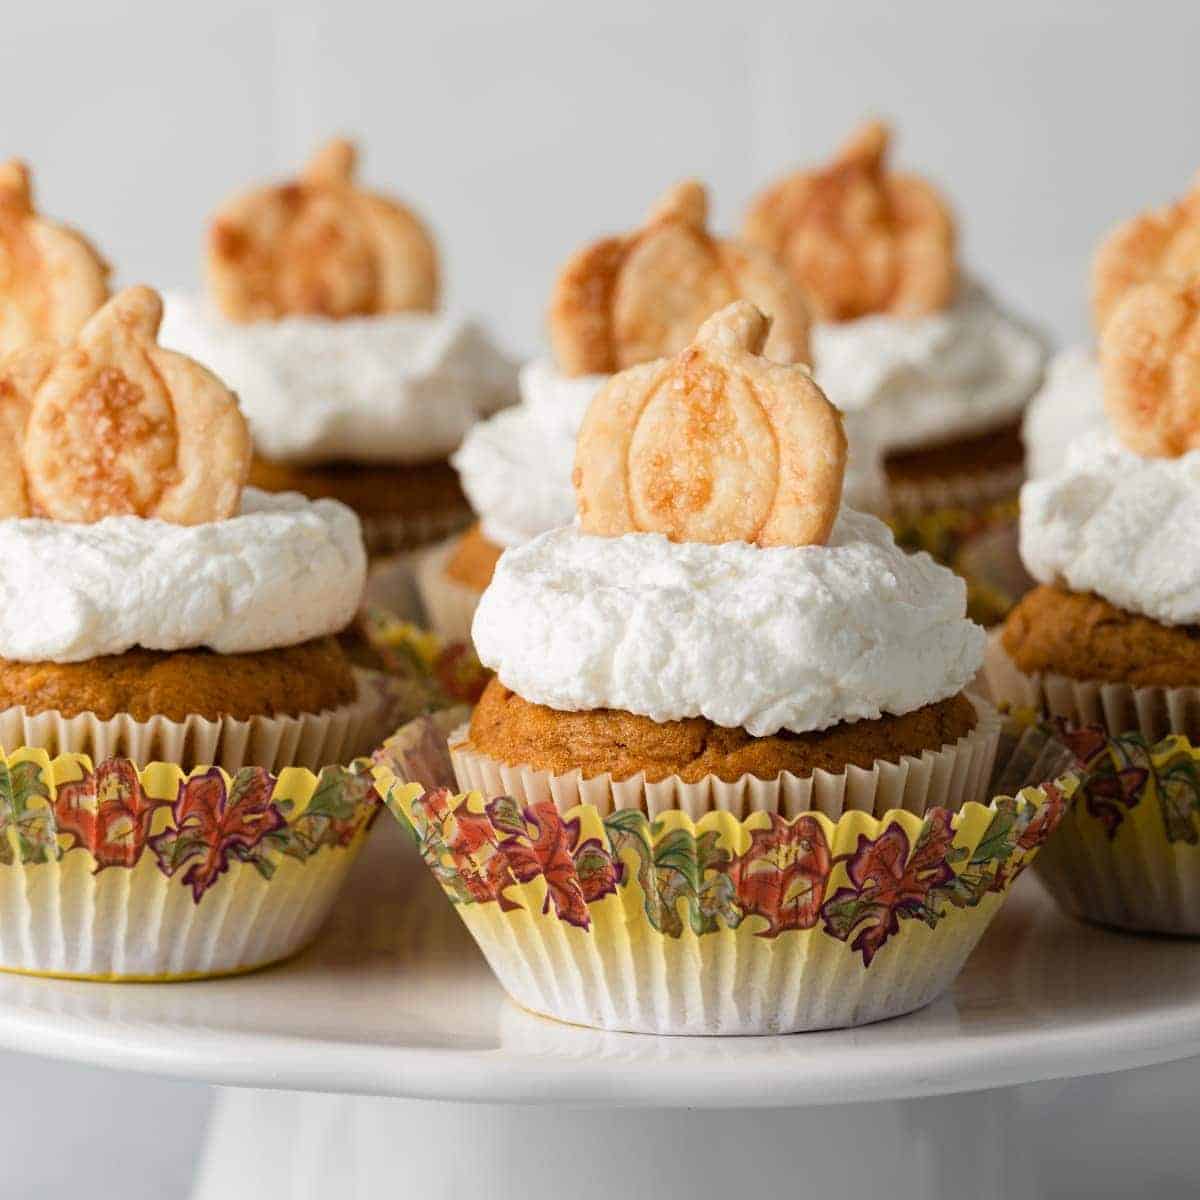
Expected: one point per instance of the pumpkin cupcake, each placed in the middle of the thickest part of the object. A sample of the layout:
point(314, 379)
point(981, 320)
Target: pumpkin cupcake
point(902, 335)
point(1105, 647)
point(169, 676)
point(323, 313)
point(727, 757)
point(617, 302)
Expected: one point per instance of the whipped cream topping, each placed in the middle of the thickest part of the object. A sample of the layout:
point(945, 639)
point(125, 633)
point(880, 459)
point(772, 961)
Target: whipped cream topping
point(284, 570)
point(796, 638)
point(1122, 526)
point(516, 467)
point(929, 380)
point(1068, 405)
point(399, 388)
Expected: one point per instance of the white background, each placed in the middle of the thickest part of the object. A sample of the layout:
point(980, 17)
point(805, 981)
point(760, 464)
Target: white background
point(520, 129)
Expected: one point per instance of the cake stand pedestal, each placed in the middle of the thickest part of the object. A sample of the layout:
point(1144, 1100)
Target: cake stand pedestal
point(394, 1065)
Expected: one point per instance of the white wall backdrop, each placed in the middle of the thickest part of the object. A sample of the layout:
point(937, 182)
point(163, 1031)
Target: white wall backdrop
point(521, 128)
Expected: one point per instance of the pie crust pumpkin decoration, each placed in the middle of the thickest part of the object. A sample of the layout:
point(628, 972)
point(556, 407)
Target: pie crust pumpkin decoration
point(629, 299)
point(51, 277)
point(1164, 244)
point(1150, 367)
point(320, 246)
point(858, 238)
point(716, 444)
point(112, 425)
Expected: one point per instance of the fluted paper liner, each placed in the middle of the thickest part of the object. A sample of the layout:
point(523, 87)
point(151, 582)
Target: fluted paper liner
point(973, 490)
point(969, 524)
point(948, 777)
point(309, 740)
point(1129, 852)
point(111, 871)
point(448, 604)
point(629, 915)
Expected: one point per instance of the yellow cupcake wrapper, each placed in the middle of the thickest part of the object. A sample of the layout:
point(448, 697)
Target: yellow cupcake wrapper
point(979, 543)
point(109, 870)
point(1128, 854)
point(625, 921)
point(1129, 851)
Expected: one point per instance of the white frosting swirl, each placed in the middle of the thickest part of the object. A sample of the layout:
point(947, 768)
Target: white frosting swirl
point(763, 639)
point(516, 467)
point(1069, 404)
point(929, 380)
point(1122, 526)
point(400, 388)
point(285, 570)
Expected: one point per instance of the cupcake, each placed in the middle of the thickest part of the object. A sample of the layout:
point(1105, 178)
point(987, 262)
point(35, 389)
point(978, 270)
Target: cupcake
point(903, 335)
point(53, 279)
point(322, 312)
point(1105, 648)
point(174, 706)
point(617, 302)
point(1161, 243)
point(726, 779)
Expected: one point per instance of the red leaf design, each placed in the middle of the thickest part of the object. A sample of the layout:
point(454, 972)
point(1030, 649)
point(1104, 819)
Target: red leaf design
point(783, 875)
point(107, 813)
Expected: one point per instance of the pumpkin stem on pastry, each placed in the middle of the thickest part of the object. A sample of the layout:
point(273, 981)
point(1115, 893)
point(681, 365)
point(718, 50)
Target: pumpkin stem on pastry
point(686, 202)
point(335, 162)
point(114, 425)
point(633, 298)
point(16, 188)
point(715, 444)
point(867, 146)
point(1150, 368)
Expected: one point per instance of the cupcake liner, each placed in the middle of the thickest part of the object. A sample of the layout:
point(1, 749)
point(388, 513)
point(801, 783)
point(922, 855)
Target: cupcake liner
point(722, 920)
point(449, 606)
point(975, 490)
point(1154, 712)
point(115, 872)
point(947, 778)
point(970, 526)
point(1128, 854)
point(309, 740)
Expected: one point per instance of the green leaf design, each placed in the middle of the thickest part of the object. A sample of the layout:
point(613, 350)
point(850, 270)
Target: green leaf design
point(35, 827)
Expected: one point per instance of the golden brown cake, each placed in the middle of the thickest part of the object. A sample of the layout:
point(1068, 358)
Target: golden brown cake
point(308, 678)
point(1081, 636)
point(622, 744)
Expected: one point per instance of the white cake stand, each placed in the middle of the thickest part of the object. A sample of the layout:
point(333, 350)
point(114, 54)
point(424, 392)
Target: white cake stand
point(394, 1008)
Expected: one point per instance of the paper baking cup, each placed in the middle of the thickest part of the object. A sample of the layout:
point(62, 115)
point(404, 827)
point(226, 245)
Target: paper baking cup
point(1128, 854)
point(1153, 712)
point(449, 606)
point(725, 918)
point(972, 490)
point(119, 873)
point(970, 526)
point(309, 740)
